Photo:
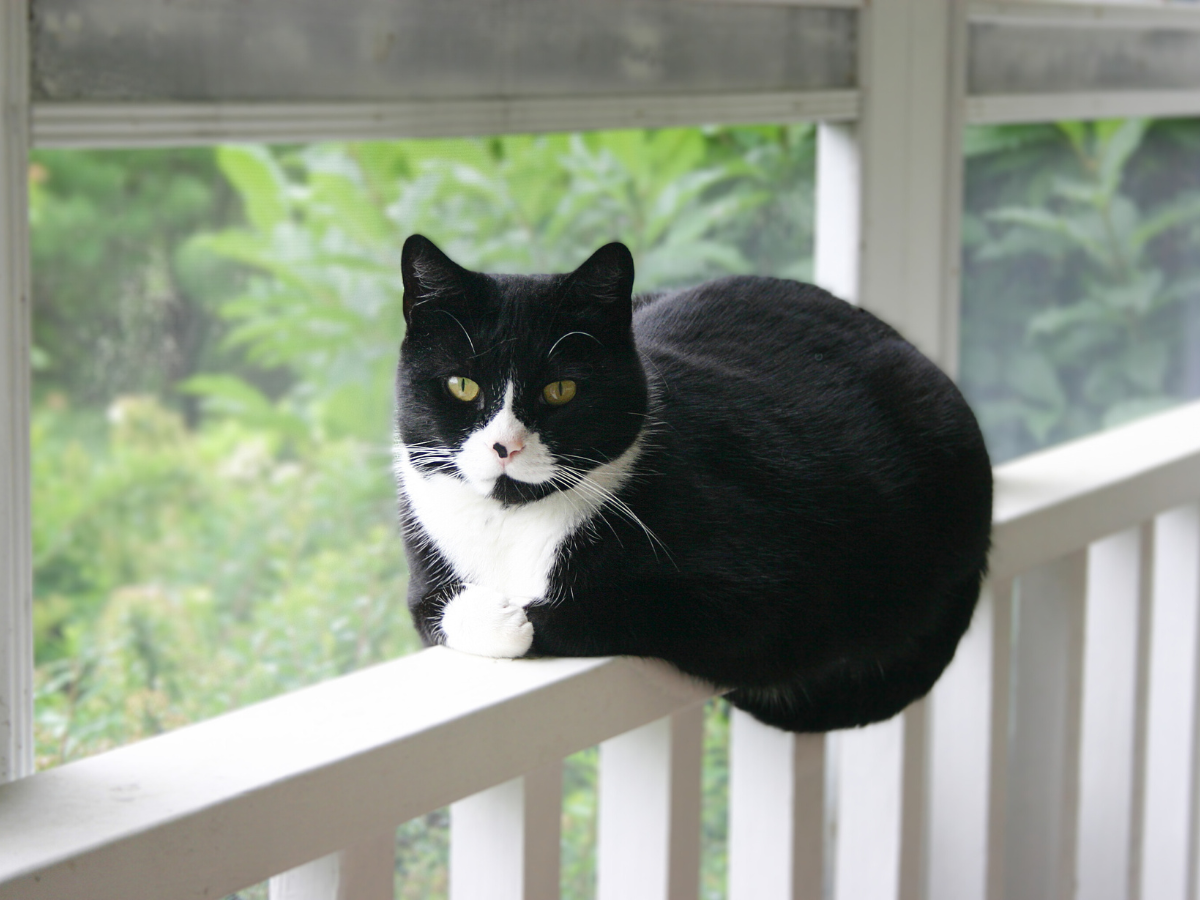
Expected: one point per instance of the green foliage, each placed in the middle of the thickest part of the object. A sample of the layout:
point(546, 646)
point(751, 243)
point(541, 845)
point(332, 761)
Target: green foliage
point(714, 822)
point(423, 857)
point(1080, 295)
point(579, 824)
point(184, 573)
point(120, 299)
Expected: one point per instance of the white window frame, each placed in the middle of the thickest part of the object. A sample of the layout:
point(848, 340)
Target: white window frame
point(16, 528)
point(889, 189)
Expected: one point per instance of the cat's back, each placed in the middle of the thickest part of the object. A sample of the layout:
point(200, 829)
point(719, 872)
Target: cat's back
point(777, 349)
point(799, 402)
point(744, 319)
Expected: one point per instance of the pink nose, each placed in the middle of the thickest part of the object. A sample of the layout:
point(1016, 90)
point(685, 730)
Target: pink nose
point(506, 450)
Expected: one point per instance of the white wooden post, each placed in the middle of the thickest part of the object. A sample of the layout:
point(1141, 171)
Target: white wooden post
point(1117, 609)
point(1168, 826)
point(365, 871)
point(968, 744)
point(648, 846)
point(504, 842)
point(16, 553)
point(837, 229)
point(776, 812)
point(912, 85)
point(1043, 776)
point(317, 880)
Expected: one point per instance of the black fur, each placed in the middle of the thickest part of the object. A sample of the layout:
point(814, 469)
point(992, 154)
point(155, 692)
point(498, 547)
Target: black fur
point(820, 491)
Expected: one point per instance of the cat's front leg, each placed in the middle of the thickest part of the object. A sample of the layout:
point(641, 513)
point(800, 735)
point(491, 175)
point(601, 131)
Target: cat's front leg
point(484, 622)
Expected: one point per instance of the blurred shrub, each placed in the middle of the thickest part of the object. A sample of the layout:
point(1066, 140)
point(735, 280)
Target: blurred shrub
point(184, 573)
point(1081, 285)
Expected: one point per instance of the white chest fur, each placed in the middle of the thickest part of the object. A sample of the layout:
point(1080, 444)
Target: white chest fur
point(509, 550)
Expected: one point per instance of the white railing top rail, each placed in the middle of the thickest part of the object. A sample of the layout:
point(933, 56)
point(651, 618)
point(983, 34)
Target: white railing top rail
point(212, 807)
point(1050, 503)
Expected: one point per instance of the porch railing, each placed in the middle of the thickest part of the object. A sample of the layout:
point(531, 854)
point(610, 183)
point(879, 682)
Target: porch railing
point(1056, 758)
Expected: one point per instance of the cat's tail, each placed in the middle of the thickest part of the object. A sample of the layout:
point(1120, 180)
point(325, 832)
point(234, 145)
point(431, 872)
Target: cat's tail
point(858, 693)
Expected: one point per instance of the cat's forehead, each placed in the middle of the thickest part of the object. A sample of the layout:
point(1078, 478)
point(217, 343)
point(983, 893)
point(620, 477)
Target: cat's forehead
point(511, 323)
point(527, 292)
point(528, 305)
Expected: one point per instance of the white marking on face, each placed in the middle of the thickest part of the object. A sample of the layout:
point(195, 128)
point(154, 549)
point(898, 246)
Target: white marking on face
point(512, 549)
point(526, 457)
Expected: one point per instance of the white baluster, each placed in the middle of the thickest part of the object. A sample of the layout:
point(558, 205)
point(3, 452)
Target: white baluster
point(1043, 783)
point(776, 812)
point(870, 776)
point(316, 880)
point(648, 844)
point(362, 872)
point(1166, 845)
point(968, 745)
point(504, 842)
point(1117, 607)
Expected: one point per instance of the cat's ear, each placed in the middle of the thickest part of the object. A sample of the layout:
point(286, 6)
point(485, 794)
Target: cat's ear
point(427, 273)
point(606, 279)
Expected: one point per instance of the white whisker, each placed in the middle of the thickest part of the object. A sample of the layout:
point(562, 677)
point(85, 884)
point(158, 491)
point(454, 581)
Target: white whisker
point(567, 335)
point(585, 484)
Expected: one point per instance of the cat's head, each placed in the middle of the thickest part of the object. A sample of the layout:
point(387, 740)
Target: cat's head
point(517, 384)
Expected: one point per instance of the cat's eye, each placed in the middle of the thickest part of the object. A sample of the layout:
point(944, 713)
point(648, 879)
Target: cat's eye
point(462, 388)
point(556, 393)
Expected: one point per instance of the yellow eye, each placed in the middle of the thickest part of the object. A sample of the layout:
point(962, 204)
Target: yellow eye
point(559, 392)
point(462, 388)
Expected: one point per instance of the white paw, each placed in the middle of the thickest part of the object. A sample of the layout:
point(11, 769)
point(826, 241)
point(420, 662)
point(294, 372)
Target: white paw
point(486, 623)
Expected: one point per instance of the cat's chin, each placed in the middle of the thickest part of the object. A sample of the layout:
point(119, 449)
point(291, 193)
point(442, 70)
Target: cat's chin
point(511, 492)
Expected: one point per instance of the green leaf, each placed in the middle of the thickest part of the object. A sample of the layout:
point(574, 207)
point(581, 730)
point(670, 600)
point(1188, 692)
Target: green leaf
point(1118, 142)
point(983, 140)
point(259, 181)
point(1079, 191)
point(1183, 210)
point(1145, 365)
point(350, 207)
point(228, 395)
point(1036, 379)
point(1062, 318)
point(1085, 231)
point(1076, 133)
point(1138, 296)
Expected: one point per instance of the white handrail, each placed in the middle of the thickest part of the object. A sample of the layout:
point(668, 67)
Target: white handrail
point(212, 807)
point(1063, 499)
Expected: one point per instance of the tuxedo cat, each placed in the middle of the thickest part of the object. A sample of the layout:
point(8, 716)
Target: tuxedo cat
point(751, 479)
